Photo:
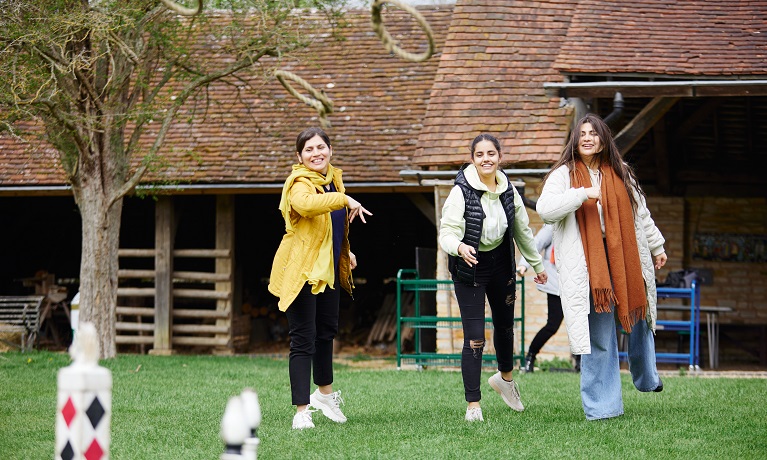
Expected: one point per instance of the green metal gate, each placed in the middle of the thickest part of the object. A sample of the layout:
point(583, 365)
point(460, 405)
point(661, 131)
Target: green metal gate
point(408, 281)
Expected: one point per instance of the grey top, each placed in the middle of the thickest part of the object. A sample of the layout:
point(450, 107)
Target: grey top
point(543, 243)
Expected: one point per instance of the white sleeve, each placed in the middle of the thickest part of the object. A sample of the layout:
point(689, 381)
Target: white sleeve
point(452, 225)
point(558, 199)
point(654, 237)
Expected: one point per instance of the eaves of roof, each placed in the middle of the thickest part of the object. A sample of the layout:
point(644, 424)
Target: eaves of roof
point(678, 88)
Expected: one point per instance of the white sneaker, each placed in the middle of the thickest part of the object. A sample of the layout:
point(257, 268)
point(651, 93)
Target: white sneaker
point(474, 414)
point(303, 419)
point(328, 404)
point(509, 391)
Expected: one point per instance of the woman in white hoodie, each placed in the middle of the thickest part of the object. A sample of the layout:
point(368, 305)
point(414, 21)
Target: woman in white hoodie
point(605, 245)
point(481, 218)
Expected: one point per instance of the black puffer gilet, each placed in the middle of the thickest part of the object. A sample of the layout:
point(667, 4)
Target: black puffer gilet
point(474, 217)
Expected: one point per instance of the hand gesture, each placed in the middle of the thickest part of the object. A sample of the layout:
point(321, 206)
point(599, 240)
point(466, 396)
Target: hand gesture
point(541, 278)
point(660, 260)
point(356, 209)
point(467, 253)
point(594, 193)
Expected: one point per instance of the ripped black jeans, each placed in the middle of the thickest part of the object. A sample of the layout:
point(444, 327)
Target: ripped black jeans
point(493, 275)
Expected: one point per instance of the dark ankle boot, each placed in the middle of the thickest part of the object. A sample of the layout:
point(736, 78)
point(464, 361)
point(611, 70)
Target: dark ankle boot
point(529, 362)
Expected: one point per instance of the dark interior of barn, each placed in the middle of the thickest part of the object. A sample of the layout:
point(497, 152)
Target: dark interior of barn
point(52, 226)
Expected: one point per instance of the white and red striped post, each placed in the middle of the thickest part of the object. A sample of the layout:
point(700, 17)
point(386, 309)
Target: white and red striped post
point(84, 407)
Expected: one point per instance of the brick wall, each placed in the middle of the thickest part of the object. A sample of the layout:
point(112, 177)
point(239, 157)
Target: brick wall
point(739, 285)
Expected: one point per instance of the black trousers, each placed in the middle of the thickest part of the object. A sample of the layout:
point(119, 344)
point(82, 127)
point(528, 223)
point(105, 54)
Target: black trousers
point(553, 322)
point(493, 275)
point(313, 324)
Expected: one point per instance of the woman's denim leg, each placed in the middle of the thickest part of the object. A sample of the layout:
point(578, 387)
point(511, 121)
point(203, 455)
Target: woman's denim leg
point(641, 354)
point(600, 370)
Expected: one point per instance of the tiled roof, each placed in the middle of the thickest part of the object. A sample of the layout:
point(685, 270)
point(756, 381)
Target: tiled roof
point(28, 161)
point(247, 134)
point(497, 56)
point(722, 38)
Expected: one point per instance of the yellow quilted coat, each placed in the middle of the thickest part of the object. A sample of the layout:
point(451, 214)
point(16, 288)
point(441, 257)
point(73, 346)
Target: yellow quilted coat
point(310, 208)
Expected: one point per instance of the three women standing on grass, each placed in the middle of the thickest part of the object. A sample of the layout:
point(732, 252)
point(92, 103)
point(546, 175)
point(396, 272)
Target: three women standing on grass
point(605, 245)
point(481, 218)
point(312, 262)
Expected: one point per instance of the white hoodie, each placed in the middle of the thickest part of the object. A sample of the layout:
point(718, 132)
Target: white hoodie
point(453, 226)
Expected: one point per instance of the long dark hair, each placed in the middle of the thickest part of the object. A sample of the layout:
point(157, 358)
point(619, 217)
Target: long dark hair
point(609, 155)
point(307, 134)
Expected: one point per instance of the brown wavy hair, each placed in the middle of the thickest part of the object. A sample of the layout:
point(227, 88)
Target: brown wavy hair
point(609, 155)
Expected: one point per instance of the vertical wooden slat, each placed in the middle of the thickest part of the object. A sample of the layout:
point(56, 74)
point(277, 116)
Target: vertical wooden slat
point(163, 301)
point(225, 240)
point(662, 168)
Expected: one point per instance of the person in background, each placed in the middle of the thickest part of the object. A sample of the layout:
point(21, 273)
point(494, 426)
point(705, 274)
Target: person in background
point(605, 245)
point(481, 218)
point(543, 240)
point(312, 262)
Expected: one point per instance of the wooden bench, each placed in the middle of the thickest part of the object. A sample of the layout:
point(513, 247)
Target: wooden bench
point(21, 315)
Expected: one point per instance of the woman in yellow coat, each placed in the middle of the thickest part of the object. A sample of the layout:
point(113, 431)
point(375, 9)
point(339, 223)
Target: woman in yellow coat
point(313, 260)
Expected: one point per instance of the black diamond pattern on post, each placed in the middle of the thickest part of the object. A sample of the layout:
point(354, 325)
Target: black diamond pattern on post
point(95, 412)
point(68, 453)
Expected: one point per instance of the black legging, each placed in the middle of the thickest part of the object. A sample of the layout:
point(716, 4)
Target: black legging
point(313, 321)
point(493, 275)
point(552, 324)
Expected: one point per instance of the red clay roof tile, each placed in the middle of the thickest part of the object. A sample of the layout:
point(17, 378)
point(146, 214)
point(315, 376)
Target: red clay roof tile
point(497, 56)
point(722, 38)
point(248, 131)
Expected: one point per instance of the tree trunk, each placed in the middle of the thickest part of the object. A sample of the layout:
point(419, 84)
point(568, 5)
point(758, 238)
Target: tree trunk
point(99, 263)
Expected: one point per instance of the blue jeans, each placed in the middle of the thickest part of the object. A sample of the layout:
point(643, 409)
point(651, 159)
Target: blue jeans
point(600, 371)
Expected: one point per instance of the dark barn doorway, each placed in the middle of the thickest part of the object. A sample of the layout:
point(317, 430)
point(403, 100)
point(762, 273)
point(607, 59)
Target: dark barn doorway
point(384, 245)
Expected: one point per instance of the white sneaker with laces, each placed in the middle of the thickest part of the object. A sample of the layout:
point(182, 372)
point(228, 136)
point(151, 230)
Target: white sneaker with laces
point(509, 391)
point(303, 419)
point(474, 414)
point(329, 405)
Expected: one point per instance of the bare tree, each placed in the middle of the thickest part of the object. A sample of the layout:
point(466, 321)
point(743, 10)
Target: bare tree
point(91, 75)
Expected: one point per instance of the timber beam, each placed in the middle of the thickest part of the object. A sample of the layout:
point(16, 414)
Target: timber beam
point(643, 122)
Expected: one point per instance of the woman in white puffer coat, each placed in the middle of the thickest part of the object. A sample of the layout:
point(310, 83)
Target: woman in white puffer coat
point(606, 245)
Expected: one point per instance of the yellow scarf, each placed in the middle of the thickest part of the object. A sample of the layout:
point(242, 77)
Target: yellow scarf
point(323, 272)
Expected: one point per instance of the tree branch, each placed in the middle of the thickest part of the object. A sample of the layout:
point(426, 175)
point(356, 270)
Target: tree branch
point(177, 103)
point(81, 143)
point(61, 66)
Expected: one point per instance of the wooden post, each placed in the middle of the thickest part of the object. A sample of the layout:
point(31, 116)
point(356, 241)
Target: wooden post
point(163, 264)
point(225, 265)
point(662, 168)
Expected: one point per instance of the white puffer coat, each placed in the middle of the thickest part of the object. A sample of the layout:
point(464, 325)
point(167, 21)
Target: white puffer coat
point(556, 206)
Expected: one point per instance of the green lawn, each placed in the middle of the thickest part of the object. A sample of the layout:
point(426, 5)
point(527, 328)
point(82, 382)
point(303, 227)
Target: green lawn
point(170, 408)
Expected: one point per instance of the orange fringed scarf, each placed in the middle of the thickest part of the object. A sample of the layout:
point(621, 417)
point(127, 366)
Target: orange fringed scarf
point(627, 290)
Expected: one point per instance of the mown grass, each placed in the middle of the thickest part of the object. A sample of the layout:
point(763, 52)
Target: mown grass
point(170, 408)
